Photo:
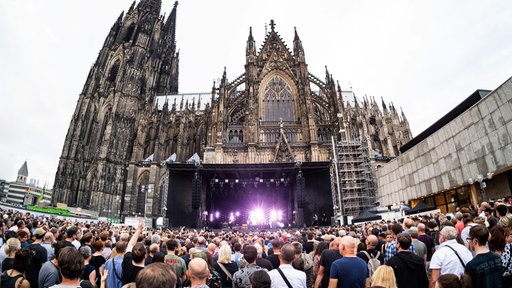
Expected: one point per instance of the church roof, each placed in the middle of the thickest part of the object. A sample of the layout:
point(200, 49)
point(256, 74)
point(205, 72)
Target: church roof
point(23, 170)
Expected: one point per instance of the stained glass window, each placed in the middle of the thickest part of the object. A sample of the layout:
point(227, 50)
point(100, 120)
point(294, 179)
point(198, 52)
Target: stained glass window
point(278, 101)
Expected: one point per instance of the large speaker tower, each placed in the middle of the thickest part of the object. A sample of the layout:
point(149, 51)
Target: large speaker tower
point(196, 192)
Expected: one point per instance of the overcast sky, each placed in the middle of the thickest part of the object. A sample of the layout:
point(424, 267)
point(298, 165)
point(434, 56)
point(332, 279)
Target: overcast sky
point(424, 56)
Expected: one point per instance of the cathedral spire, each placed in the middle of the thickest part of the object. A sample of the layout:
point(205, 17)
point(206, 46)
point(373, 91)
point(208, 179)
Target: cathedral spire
point(403, 115)
point(327, 76)
point(384, 107)
point(130, 10)
point(114, 30)
point(356, 103)
point(224, 80)
point(151, 6)
point(250, 52)
point(340, 93)
point(170, 27)
point(298, 50)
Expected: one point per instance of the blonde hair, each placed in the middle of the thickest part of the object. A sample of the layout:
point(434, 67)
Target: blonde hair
point(12, 245)
point(225, 254)
point(384, 276)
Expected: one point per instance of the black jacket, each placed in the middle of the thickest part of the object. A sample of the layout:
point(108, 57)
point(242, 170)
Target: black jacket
point(409, 270)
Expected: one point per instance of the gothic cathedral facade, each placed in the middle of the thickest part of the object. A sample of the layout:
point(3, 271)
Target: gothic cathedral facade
point(115, 155)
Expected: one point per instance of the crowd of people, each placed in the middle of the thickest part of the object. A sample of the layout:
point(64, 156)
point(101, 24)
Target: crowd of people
point(470, 248)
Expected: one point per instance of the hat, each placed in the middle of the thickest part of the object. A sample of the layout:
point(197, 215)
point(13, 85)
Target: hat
point(342, 233)
point(39, 232)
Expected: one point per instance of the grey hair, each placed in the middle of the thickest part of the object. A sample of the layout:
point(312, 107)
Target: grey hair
point(449, 233)
point(155, 239)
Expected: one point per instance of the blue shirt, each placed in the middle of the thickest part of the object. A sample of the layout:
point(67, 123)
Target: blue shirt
point(114, 278)
point(350, 272)
point(391, 250)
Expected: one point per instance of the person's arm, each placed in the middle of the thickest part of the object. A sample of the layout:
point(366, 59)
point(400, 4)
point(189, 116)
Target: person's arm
point(104, 279)
point(92, 278)
point(434, 276)
point(333, 283)
point(319, 276)
point(101, 269)
point(24, 283)
point(134, 238)
point(184, 276)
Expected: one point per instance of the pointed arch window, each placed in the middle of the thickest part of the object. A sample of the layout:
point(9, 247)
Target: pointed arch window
point(129, 33)
point(278, 101)
point(112, 75)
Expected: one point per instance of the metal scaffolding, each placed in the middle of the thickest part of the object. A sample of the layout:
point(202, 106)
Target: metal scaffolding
point(353, 185)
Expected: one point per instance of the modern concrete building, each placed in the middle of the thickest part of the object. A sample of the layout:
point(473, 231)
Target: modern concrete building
point(464, 158)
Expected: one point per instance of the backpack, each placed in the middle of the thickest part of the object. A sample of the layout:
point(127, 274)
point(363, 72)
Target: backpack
point(373, 262)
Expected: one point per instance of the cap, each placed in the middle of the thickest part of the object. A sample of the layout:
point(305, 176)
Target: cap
point(39, 232)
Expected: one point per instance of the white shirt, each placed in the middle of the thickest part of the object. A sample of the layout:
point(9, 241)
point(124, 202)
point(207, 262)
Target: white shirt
point(296, 278)
point(445, 259)
point(77, 244)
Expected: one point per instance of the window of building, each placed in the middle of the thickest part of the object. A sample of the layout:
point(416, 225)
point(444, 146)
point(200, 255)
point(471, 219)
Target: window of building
point(278, 101)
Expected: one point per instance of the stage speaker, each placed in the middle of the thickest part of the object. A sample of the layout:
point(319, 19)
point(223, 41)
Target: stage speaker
point(196, 192)
point(300, 190)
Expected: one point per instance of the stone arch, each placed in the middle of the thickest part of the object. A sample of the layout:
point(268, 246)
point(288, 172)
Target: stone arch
point(142, 184)
point(113, 71)
point(278, 78)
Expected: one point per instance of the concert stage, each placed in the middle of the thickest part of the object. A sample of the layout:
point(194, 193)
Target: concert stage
point(257, 195)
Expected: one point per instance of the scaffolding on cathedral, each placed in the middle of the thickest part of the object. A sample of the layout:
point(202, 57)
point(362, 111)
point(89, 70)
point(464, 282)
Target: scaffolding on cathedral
point(352, 182)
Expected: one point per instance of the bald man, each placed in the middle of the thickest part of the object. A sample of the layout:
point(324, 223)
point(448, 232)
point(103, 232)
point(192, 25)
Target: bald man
point(295, 277)
point(371, 251)
point(153, 248)
point(326, 259)
point(201, 244)
point(350, 270)
point(198, 272)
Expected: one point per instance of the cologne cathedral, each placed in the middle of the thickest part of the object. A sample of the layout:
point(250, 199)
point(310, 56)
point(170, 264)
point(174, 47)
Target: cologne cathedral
point(264, 147)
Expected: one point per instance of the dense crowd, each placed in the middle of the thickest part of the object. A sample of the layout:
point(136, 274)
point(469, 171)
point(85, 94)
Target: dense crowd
point(470, 248)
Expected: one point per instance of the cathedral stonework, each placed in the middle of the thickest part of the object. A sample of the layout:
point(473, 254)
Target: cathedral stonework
point(121, 137)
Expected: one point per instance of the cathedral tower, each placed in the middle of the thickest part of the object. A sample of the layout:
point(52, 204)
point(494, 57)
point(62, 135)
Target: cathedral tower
point(100, 167)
